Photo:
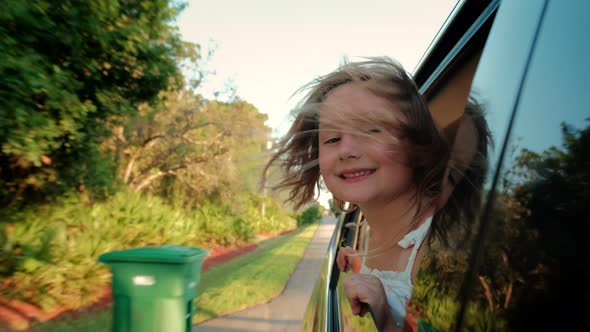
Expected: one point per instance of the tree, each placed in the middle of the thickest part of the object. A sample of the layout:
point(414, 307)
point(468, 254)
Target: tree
point(535, 266)
point(537, 258)
point(186, 147)
point(69, 69)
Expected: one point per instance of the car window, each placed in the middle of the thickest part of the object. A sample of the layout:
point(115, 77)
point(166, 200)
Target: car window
point(534, 270)
point(448, 271)
point(447, 101)
point(525, 266)
point(523, 261)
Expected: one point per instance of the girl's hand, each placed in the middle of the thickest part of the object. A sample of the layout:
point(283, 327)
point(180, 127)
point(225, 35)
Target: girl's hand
point(347, 259)
point(365, 291)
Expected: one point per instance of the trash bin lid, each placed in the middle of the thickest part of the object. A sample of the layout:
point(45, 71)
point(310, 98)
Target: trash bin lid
point(171, 254)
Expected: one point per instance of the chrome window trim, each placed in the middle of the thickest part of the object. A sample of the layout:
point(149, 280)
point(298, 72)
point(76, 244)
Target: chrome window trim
point(458, 48)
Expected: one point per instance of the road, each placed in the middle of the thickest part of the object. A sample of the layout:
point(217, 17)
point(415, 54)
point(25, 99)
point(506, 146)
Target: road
point(284, 312)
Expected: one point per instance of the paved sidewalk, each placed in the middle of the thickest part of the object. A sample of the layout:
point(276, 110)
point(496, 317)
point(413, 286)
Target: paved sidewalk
point(285, 312)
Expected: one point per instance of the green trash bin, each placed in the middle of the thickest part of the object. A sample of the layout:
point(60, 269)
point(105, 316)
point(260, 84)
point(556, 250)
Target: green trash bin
point(154, 287)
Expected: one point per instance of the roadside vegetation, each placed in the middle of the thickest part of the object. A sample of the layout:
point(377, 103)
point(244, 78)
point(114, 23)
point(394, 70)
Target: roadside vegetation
point(106, 143)
point(58, 246)
point(254, 278)
point(245, 281)
point(98, 320)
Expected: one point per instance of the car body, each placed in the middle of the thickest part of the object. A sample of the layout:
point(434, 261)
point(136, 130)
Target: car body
point(527, 263)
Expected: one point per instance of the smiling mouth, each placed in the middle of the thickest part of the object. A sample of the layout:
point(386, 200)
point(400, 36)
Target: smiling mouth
point(356, 174)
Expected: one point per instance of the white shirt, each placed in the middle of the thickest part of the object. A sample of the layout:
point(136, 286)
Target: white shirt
point(398, 284)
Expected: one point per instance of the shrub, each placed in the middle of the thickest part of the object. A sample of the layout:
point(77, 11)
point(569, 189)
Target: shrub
point(439, 307)
point(53, 249)
point(274, 220)
point(48, 255)
point(312, 214)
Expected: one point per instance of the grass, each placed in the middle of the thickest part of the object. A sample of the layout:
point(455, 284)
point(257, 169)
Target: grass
point(251, 279)
point(93, 320)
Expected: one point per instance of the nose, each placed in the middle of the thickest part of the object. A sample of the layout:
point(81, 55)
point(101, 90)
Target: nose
point(349, 147)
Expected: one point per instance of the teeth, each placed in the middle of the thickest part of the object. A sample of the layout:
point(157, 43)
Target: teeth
point(356, 174)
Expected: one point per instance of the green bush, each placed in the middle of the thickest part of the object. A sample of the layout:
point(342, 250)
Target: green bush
point(312, 214)
point(439, 308)
point(274, 220)
point(217, 225)
point(48, 254)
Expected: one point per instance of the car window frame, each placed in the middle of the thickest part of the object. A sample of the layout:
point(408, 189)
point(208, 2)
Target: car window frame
point(432, 73)
point(465, 45)
point(486, 211)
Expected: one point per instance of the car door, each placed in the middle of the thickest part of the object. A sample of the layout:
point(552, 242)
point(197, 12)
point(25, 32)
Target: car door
point(445, 78)
point(530, 264)
point(526, 265)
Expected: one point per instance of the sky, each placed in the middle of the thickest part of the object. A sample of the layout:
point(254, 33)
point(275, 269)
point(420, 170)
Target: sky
point(270, 48)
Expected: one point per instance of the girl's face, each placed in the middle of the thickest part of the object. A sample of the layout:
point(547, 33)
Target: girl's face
point(361, 162)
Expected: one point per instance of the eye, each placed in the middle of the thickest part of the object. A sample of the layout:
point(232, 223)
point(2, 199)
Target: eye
point(332, 140)
point(374, 130)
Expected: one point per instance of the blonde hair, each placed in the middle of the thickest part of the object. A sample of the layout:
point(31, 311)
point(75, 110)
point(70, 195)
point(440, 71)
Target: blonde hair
point(427, 150)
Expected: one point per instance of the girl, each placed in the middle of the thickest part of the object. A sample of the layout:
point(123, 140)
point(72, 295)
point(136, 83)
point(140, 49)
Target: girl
point(365, 130)
point(458, 202)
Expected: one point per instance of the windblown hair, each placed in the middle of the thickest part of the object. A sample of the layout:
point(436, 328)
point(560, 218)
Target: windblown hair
point(464, 202)
point(426, 149)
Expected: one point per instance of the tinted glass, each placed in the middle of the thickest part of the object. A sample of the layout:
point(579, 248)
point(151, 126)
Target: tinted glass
point(536, 264)
point(494, 92)
point(535, 267)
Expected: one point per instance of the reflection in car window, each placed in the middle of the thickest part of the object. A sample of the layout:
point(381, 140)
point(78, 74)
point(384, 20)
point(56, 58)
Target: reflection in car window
point(495, 87)
point(433, 300)
point(536, 268)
